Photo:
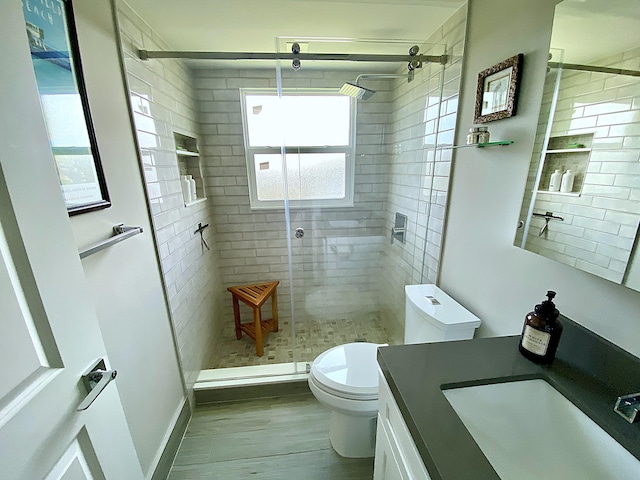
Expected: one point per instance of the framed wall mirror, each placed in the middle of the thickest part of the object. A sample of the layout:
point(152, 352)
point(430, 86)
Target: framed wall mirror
point(56, 61)
point(581, 205)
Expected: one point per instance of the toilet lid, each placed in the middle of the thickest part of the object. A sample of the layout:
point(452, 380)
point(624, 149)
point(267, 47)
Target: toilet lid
point(350, 369)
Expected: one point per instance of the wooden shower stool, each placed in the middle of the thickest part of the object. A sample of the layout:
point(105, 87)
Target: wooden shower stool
point(255, 295)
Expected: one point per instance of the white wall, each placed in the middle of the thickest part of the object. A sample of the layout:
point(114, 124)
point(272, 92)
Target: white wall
point(125, 279)
point(480, 267)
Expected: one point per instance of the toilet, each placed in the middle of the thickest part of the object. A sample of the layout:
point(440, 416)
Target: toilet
point(345, 378)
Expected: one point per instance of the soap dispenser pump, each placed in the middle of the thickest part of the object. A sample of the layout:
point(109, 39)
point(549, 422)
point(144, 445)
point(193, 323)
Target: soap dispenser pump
point(541, 331)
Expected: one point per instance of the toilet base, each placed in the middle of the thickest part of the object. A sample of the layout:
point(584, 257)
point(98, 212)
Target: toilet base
point(353, 437)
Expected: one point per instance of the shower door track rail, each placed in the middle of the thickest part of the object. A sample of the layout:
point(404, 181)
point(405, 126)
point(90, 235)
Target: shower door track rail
point(594, 68)
point(347, 57)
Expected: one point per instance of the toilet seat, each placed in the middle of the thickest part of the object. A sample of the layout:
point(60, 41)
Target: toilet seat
point(347, 371)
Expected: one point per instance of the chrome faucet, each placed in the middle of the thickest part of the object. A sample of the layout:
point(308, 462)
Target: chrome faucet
point(628, 407)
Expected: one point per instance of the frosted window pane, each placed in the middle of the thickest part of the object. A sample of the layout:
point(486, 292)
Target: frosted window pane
point(298, 120)
point(312, 176)
point(269, 177)
point(263, 120)
point(64, 116)
point(322, 176)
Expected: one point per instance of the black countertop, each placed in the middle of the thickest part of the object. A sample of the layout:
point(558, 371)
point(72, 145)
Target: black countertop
point(588, 370)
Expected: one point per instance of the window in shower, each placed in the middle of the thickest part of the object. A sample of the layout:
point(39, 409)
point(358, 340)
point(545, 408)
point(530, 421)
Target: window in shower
point(308, 134)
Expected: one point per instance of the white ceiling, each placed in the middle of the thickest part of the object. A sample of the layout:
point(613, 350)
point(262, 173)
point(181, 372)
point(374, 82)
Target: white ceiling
point(589, 30)
point(586, 29)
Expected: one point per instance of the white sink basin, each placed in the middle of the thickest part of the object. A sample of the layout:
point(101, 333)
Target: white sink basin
point(529, 430)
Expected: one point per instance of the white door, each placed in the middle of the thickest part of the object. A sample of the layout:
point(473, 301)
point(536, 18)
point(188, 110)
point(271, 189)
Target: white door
point(49, 333)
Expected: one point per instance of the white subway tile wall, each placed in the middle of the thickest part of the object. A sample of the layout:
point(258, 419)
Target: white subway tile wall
point(600, 226)
point(423, 117)
point(336, 264)
point(163, 102)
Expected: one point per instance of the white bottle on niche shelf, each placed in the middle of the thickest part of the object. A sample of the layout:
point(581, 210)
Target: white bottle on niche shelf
point(556, 179)
point(186, 188)
point(566, 185)
point(192, 182)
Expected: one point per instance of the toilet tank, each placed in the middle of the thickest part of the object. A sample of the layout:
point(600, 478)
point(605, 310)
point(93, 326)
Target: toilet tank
point(433, 316)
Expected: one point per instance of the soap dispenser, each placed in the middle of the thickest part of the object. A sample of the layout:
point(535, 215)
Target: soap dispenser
point(541, 332)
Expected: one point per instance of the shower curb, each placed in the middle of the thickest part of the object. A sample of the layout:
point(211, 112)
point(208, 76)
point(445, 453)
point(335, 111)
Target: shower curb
point(216, 392)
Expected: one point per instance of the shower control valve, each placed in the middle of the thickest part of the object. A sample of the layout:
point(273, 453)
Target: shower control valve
point(299, 232)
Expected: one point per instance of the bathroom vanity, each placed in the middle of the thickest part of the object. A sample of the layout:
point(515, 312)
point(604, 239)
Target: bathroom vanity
point(420, 435)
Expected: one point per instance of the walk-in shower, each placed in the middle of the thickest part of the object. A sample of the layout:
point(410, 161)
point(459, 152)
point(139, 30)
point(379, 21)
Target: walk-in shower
point(343, 280)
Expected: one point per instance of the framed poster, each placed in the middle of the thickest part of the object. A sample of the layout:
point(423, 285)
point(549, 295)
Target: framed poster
point(56, 61)
point(497, 91)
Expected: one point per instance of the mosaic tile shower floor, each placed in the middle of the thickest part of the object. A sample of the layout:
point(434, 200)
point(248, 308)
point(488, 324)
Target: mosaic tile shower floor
point(312, 338)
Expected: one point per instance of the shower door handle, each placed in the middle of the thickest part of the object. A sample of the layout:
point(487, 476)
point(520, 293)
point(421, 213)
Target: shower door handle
point(299, 232)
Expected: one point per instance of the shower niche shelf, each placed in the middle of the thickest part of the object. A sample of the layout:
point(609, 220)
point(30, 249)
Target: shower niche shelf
point(186, 153)
point(189, 164)
point(562, 153)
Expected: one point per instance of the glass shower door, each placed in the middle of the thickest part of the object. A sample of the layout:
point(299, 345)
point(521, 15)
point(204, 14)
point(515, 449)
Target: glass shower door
point(336, 158)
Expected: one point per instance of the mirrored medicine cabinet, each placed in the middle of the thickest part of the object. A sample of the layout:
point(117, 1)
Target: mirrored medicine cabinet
point(590, 124)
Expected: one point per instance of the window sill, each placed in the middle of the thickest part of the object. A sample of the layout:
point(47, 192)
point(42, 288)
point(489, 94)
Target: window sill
point(297, 206)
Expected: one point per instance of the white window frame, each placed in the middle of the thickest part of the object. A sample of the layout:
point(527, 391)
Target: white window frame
point(250, 152)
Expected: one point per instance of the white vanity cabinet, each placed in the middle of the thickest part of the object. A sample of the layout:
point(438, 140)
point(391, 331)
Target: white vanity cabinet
point(396, 455)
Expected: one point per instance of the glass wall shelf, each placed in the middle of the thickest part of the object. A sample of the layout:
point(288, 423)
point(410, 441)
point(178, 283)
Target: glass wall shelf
point(483, 145)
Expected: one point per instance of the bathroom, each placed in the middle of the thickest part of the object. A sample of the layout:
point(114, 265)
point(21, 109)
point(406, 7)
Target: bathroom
point(398, 163)
point(479, 266)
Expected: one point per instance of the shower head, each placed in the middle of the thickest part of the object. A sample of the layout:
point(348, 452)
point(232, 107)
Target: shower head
point(361, 93)
point(356, 91)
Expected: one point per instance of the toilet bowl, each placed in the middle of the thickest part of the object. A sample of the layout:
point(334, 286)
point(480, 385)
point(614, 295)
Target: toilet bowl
point(345, 378)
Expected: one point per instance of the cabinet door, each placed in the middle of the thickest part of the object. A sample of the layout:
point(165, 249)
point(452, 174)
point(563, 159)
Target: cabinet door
point(386, 465)
point(396, 453)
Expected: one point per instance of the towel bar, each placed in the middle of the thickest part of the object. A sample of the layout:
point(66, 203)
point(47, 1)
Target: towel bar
point(121, 232)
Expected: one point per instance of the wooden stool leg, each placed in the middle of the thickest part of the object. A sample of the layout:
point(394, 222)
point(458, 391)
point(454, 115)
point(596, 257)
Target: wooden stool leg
point(274, 309)
point(236, 317)
point(257, 317)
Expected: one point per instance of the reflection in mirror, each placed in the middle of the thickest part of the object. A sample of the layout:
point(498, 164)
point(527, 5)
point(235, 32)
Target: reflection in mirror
point(581, 205)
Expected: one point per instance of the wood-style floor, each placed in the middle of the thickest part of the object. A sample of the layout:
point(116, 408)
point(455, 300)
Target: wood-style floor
point(268, 438)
